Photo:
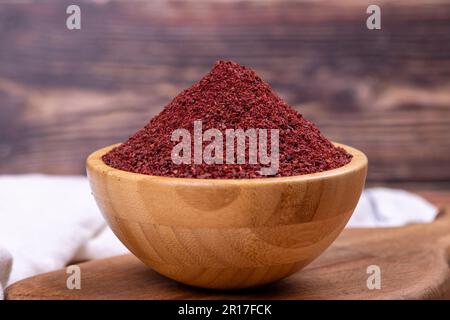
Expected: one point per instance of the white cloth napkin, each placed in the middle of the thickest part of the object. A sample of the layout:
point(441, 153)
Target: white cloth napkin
point(383, 207)
point(5, 269)
point(48, 221)
point(45, 221)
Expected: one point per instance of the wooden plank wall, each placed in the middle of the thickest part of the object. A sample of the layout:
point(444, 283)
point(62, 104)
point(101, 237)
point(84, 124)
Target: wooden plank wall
point(65, 93)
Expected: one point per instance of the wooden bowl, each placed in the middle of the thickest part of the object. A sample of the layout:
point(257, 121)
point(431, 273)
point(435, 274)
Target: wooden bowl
point(224, 233)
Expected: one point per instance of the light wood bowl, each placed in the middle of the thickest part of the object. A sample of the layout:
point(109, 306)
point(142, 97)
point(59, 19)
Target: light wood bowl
point(224, 233)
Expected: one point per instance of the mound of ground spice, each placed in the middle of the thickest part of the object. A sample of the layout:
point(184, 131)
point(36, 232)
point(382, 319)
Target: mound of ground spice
point(230, 96)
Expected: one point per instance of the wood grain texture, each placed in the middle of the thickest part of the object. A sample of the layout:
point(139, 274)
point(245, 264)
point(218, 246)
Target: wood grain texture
point(225, 233)
point(66, 93)
point(413, 260)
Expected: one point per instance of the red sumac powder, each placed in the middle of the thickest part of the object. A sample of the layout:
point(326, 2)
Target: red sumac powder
point(229, 97)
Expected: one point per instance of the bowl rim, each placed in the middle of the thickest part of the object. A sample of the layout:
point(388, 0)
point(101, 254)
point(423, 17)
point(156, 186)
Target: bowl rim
point(94, 162)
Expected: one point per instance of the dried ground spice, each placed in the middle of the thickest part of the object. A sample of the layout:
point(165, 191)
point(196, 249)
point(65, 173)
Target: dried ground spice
point(229, 97)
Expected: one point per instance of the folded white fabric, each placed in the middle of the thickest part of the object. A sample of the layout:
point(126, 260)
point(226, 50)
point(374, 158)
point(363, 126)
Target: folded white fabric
point(47, 221)
point(44, 221)
point(5, 269)
point(383, 207)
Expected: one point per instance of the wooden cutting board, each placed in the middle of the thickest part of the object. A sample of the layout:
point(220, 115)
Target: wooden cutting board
point(414, 263)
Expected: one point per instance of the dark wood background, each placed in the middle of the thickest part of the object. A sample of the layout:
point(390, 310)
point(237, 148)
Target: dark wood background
point(64, 93)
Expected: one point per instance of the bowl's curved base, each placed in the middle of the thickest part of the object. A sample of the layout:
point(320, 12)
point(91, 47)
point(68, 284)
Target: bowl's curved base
point(228, 258)
point(227, 278)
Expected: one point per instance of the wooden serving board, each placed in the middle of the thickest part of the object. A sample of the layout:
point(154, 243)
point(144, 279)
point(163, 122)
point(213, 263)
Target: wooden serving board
point(414, 263)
